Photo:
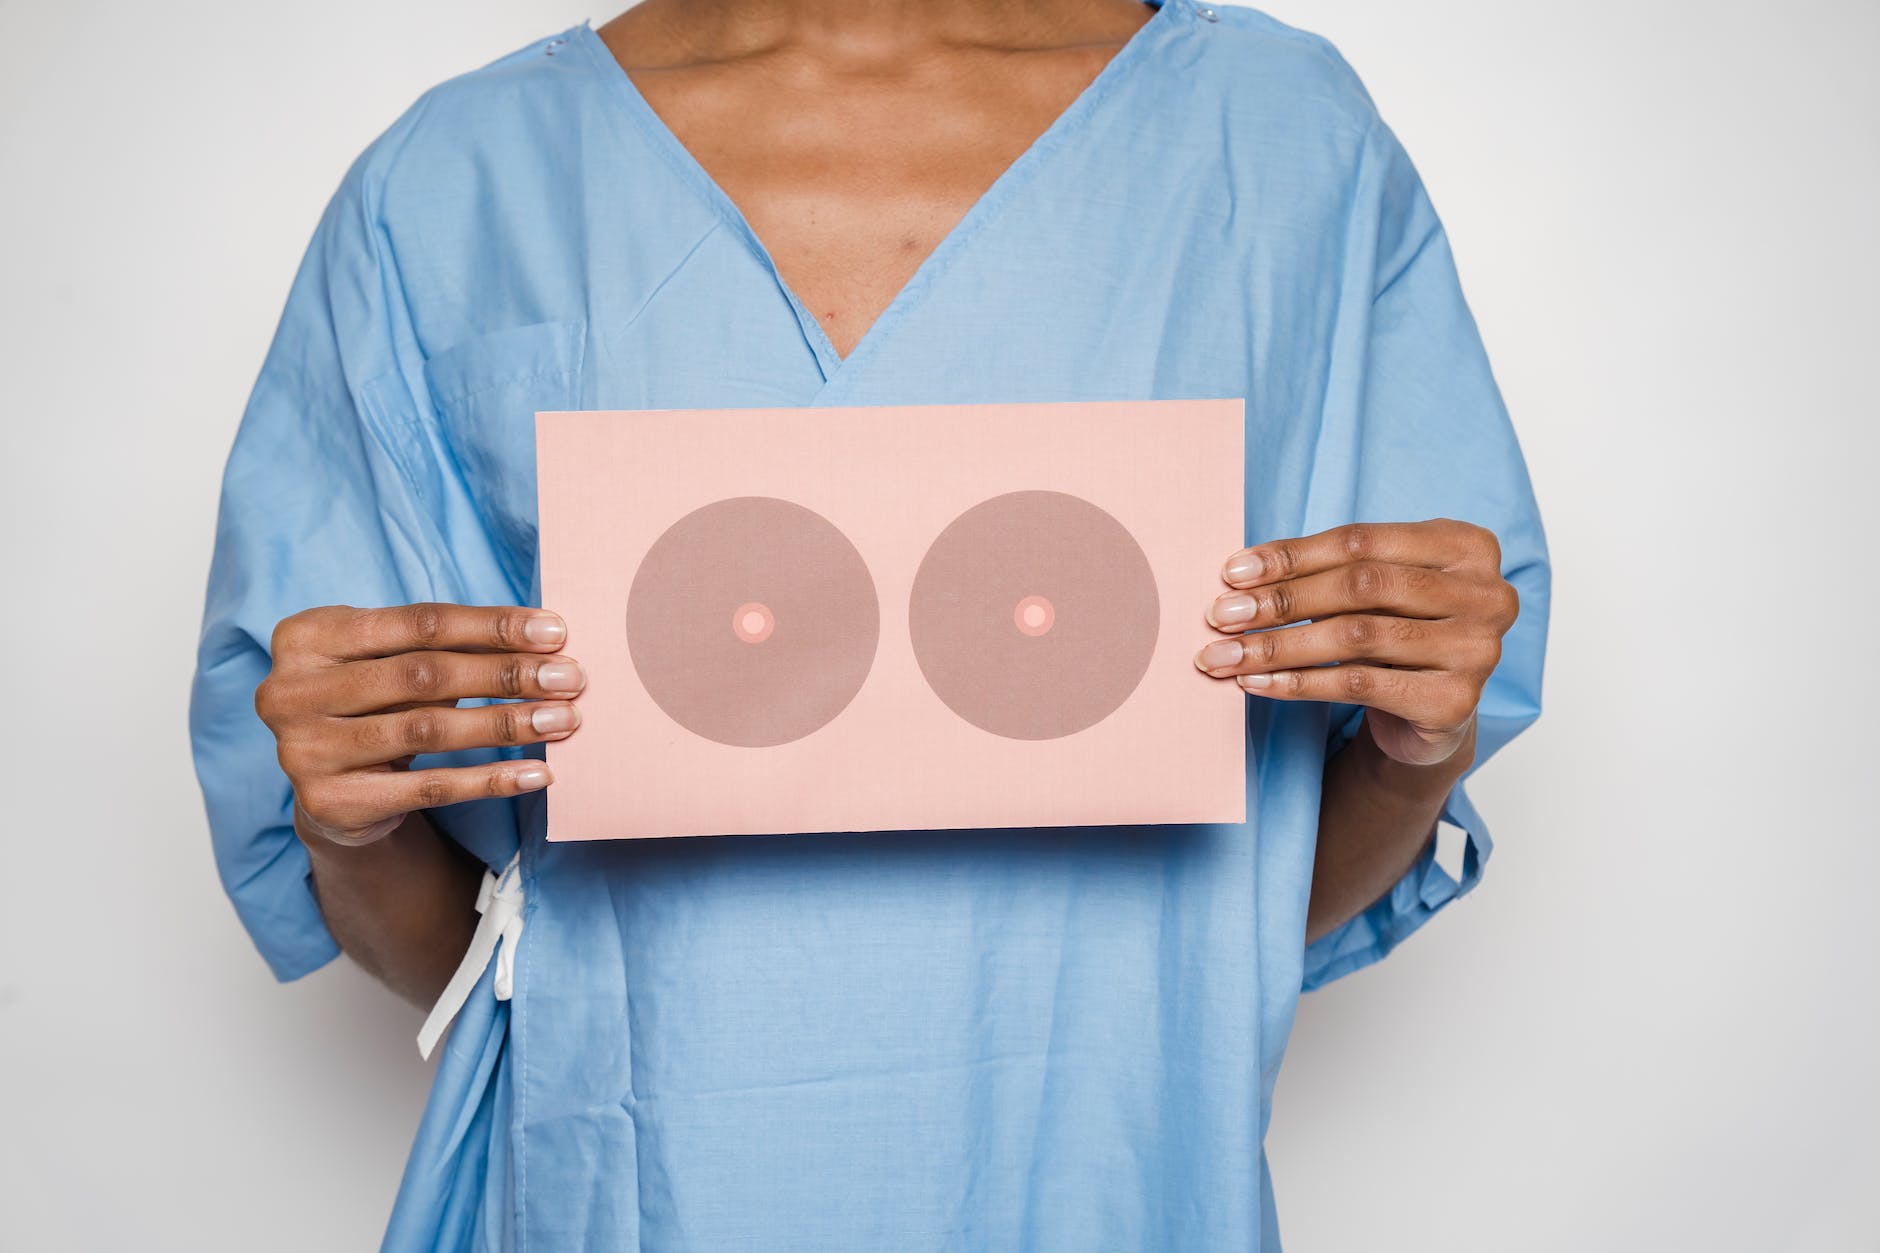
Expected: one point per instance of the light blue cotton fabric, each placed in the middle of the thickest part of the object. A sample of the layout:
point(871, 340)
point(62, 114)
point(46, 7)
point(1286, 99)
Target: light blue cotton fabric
point(1014, 1039)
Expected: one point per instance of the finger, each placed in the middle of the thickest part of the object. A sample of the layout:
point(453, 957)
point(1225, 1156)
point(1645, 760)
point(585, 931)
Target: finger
point(1439, 544)
point(1425, 698)
point(384, 683)
point(415, 732)
point(433, 789)
point(1364, 587)
point(342, 633)
point(347, 807)
point(1412, 642)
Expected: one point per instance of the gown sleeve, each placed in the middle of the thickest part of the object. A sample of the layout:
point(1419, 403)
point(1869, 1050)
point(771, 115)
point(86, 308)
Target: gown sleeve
point(1414, 429)
point(304, 520)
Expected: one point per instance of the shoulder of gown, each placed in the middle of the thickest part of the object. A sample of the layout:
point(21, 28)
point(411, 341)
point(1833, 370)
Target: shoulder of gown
point(1265, 64)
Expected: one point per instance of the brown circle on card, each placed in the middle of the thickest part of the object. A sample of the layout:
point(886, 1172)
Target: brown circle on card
point(752, 622)
point(1034, 615)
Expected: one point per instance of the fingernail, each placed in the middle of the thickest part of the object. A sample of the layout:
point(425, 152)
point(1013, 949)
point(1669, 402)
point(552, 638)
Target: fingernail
point(1255, 682)
point(1220, 655)
point(550, 719)
point(545, 628)
point(1244, 568)
point(561, 676)
point(531, 779)
point(1232, 610)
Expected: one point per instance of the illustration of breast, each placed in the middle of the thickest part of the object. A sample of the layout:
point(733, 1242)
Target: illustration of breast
point(752, 622)
point(1034, 615)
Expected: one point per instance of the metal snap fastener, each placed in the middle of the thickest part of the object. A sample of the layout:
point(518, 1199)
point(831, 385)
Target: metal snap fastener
point(553, 45)
point(1207, 14)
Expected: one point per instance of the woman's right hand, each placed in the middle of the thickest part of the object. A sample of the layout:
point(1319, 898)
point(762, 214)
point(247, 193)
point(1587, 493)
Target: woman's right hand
point(355, 694)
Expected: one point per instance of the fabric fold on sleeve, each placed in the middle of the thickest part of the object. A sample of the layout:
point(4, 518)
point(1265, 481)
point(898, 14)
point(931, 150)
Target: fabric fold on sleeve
point(299, 525)
point(1413, 900)
point(1416, 429)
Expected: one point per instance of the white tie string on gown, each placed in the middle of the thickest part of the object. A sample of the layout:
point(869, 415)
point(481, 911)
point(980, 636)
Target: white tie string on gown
point(499, 930)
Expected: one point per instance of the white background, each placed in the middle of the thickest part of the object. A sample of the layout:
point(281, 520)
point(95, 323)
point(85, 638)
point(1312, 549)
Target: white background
point(1655, 1027)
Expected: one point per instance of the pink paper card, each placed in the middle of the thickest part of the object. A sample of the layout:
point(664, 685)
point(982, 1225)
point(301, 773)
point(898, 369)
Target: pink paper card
point(892, 618)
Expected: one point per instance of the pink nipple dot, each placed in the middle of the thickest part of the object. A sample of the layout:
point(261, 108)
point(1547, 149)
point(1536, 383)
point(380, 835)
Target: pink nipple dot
point(752, 622)
point(1034, 615)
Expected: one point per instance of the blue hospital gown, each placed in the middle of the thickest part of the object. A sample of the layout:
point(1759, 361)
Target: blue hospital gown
point(1050, 1039)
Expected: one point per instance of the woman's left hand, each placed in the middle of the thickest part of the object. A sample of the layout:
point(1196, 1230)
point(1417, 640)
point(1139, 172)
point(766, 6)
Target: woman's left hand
point(1405, 619)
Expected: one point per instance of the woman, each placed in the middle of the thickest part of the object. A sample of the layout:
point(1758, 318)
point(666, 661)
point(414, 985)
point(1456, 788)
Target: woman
point(1038, 1039)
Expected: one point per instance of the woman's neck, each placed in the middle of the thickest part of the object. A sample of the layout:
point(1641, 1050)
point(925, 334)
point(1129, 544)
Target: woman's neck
point(670, 33)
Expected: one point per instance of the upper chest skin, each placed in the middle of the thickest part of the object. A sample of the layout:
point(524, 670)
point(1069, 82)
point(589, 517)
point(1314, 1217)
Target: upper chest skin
point(852, 158)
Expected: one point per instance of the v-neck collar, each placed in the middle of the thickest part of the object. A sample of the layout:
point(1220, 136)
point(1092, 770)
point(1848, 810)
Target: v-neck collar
point(1168, 14)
